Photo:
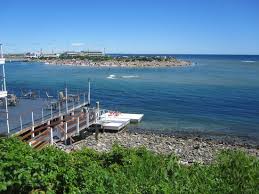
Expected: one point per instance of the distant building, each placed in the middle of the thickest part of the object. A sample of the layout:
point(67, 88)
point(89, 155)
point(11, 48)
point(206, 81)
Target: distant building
point(32, 55)
point(92, 53)
point(71, 53)
point(54, 55)
point(84, 53)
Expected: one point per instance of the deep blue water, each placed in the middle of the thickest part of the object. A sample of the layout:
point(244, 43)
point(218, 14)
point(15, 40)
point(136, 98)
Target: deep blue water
point(219, 93)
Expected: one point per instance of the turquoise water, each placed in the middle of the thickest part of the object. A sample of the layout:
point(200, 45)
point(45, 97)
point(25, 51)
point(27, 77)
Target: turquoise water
point(218, 94)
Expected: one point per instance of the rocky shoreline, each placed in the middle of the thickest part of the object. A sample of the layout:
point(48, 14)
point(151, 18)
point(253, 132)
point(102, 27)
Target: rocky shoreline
point(188, 149)
point(115, 63)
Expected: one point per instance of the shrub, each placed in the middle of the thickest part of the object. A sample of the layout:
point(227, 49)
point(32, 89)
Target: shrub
point(25, 170)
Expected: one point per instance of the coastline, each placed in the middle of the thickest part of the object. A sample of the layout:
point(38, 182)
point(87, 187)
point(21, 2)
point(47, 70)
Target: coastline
point(189, 149)
point(114, 63)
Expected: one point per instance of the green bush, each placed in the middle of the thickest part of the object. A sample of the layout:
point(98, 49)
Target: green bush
point(25, 170)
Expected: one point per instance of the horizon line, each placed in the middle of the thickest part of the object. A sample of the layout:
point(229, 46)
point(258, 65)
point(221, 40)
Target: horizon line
point(122, 53)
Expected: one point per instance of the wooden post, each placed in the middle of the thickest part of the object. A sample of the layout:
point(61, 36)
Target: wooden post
point(78, 99)
point(6, 101)
point(77, 126)
point(32, 127)
point(73, 112)
point(51, 136)
point(65, 132)
point(21, 122)
point(51, 112)
point(87, 118)
point(7, 116)
point(42, 115)
point(66, 100)
point(96, 132)
point(89, 92)
point(59, 109)
point(97, 111)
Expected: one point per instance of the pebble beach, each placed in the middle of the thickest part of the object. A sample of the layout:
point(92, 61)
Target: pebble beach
point(189, 149)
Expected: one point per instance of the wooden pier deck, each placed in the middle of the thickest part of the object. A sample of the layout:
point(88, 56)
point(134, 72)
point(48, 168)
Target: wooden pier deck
point(60, 127)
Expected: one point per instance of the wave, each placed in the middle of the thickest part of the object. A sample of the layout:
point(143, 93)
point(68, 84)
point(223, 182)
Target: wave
point(122, 77)
point(111, 77)
point(248, 61)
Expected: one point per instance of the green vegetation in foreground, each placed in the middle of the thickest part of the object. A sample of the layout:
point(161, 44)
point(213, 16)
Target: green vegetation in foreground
point(24, 170)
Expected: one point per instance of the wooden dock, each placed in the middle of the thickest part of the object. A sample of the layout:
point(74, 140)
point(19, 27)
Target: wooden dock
point(61, 127)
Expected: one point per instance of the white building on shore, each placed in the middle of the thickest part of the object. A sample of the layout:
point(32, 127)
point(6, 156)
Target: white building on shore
point(84, 53)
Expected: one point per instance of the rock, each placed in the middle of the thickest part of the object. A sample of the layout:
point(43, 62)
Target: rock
point(197, 146)
point(189, 150)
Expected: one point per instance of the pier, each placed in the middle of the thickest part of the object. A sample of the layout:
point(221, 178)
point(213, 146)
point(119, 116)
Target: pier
point(66, 117)
point(61, 127)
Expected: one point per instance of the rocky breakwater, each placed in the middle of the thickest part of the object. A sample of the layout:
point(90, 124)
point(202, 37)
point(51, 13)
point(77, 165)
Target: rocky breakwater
point(116, 63)
point(189, 150)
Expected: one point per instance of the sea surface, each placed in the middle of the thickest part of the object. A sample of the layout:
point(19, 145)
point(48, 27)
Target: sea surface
point(218, 94)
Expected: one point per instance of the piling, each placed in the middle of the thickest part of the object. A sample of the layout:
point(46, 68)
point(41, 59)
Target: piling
point(32, 122)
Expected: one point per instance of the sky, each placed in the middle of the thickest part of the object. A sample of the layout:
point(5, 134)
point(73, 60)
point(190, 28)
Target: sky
point(131, 26)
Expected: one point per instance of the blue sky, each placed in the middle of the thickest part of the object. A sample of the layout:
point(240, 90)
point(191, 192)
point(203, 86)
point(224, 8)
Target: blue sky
point(131, 26)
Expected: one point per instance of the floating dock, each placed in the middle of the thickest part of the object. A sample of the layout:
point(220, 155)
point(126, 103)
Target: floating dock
point(134, 118)
point(115, 125)
point(116, 121)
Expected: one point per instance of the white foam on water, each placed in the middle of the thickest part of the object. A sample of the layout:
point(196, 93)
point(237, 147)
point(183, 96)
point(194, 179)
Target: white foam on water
point(122, 77)
point(111, 77)
point(248, 61)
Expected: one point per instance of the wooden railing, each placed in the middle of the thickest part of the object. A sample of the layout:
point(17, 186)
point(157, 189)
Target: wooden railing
point(67, 125)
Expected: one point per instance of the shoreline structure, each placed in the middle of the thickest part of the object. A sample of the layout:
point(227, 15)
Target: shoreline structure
point(116, 62)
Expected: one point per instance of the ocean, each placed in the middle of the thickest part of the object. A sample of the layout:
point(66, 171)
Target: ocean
point(218, 94)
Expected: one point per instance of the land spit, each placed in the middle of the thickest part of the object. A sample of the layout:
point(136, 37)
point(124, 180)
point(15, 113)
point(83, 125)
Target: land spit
point(116, 63)
point(189, 150)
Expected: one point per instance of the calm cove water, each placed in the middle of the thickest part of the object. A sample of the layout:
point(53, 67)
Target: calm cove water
point(218, 94)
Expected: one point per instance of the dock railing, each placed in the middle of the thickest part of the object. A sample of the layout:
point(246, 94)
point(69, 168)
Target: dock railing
point(51, 115)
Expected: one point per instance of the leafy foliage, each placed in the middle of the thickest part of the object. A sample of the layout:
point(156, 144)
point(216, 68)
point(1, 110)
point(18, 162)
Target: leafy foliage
point(24, 170)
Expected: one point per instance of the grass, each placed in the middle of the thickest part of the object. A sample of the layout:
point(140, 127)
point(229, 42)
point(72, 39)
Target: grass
point(24, 170)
